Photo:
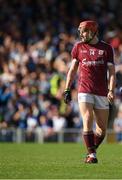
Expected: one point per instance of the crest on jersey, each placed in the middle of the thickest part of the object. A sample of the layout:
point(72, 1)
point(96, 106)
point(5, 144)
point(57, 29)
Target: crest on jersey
point(83, 51)
point(100, 52)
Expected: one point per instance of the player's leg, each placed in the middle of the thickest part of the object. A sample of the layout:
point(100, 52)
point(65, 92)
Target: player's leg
point(101, 125)
point(101, 112)
point(86, 110)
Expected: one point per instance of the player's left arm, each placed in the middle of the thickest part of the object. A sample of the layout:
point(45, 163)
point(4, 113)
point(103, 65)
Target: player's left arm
point(111, 82)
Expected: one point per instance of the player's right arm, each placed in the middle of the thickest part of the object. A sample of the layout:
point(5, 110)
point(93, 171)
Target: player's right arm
point(70, 77)
point(71, 73)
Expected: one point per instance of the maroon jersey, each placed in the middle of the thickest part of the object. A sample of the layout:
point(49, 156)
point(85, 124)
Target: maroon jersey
point(93, 61)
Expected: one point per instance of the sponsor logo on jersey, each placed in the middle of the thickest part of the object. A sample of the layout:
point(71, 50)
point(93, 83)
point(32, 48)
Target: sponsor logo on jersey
point(91, 63)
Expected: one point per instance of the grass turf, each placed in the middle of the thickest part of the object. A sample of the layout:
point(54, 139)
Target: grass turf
point(58, 161)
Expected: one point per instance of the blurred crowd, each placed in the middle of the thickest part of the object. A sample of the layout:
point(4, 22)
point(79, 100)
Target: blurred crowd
point(36, 38)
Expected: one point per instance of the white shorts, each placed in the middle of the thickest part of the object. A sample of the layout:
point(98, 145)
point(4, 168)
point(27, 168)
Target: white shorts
point(99, 102)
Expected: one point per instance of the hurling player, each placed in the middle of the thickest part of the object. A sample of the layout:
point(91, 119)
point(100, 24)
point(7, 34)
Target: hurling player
point(94, 61)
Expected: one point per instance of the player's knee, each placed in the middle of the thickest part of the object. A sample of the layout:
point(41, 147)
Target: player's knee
point(87, 117)
point(87, 122)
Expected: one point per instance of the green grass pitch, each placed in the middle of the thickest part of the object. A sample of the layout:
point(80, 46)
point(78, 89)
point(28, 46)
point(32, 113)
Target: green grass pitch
point(58, 161)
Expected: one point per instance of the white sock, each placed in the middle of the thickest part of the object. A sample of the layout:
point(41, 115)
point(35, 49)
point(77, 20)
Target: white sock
point(92, 155)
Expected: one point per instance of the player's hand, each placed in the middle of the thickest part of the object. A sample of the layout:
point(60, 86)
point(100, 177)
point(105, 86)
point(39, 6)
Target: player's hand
point(67, 96)
point(110, 97)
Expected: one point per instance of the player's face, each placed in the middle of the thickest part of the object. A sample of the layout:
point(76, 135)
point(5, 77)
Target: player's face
point(85, 34)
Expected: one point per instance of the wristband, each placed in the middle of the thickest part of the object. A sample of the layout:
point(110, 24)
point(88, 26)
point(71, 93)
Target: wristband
point(111, 90)
point(66, 90)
